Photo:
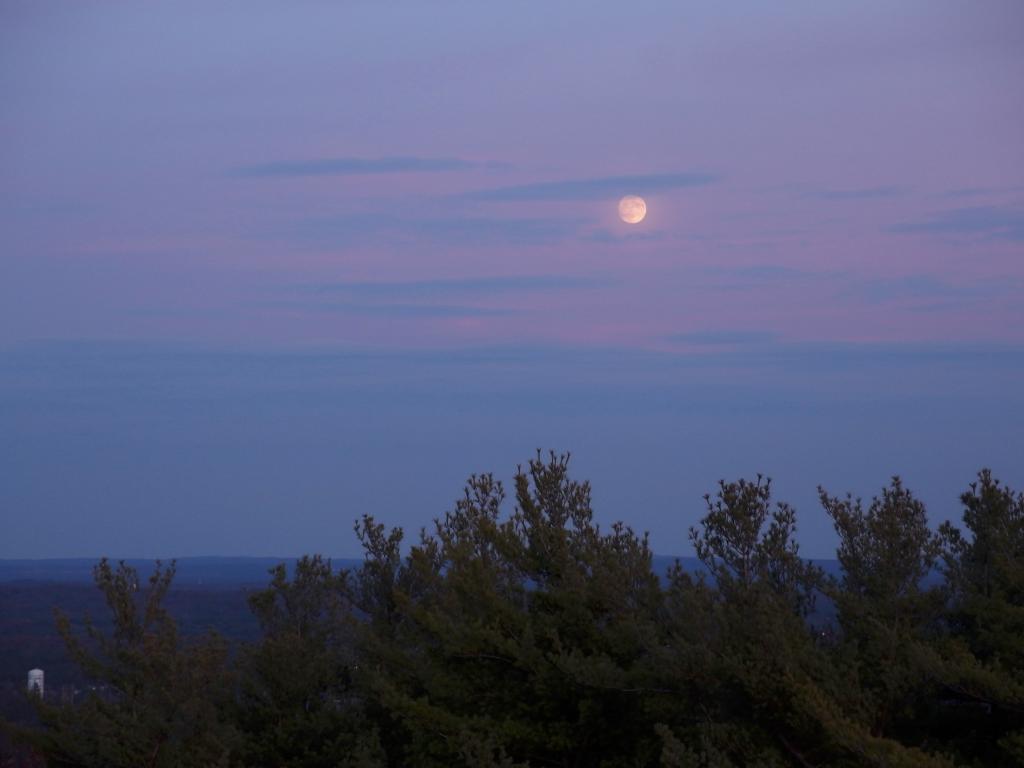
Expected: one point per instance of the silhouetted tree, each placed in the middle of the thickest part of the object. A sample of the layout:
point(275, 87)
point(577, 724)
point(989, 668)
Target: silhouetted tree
point(984, 654)
point(297, 705)
point(888, 612)
point(533, 637)
point(513, 640)
point(158, 700)
point(740, 651)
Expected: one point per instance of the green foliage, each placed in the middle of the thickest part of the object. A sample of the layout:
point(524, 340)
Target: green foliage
point(755, 684)
point(983, 665)
point(748, 547)
point(532, 636)
point(296, 703)
point(887, 614)
point(528, 633)
point(986, 572)
point(158, 701)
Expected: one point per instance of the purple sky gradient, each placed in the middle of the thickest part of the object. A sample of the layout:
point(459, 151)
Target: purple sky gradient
point(255, 258)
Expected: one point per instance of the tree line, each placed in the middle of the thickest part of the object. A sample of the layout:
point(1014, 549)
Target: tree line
point(534, 637)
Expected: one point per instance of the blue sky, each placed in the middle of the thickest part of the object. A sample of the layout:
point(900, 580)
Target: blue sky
point(264, 268)
point(160, 450)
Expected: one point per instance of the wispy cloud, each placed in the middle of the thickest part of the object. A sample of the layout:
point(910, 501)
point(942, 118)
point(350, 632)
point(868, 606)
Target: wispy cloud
point(986, 221)
point(436, 298)
point(723, 338)
point(763, 272)
point(352, 166)
point(763, 275)
point(929, 287)
point(607, 237)
point(838, 356)
point(771, 352)
point(475, 286)
point(21, 364)
point(601, 188)
point(981, 191)
point(864, 193)
point(406, 310)
point(459, 231)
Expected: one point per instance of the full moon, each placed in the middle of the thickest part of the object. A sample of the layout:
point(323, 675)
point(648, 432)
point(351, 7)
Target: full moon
point(632, 209)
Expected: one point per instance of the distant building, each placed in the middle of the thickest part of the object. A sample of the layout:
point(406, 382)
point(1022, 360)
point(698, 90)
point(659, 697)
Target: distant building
point(35, 682)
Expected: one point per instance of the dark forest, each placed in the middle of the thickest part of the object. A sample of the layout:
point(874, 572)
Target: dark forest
point(520, 633)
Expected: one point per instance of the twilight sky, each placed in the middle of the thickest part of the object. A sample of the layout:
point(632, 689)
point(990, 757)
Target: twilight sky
point(266, 266)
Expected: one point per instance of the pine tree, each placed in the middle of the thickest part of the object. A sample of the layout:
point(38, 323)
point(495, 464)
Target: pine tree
point(297, 703)
point(158, 700)
point(984, 658)
point(888, 612)
point(515, 639)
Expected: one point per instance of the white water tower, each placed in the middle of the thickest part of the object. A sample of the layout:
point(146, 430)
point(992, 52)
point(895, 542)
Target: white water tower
point(35, 681)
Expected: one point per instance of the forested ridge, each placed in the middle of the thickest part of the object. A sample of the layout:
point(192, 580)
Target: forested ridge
point(520, 633)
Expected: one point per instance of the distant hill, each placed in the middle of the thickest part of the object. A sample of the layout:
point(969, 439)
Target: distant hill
point(233, 571)
point(208, 593)
point(192, 571)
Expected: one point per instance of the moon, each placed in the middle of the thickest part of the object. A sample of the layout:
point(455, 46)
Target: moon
point(632, 209)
